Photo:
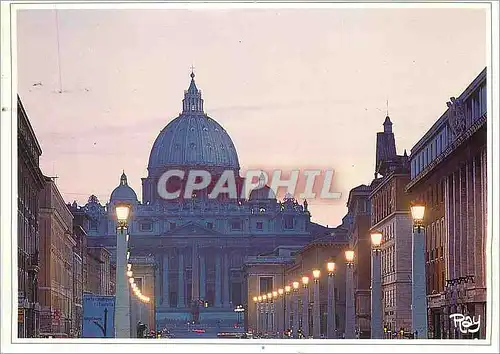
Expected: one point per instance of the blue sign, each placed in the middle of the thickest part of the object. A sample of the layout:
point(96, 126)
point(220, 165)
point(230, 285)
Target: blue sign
point(98, 316)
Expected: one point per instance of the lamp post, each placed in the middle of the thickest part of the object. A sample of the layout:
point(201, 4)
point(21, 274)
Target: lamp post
point(331, 325)
point(256, 302)
point(305, 307)
point(288, 308)
point(377, 331)
point(280, 316)
point(259, 315)
point(350, 316)
point(418, 286)
point(295, 295)
point(274, 312)
point(264, 313)
point(122, 298)
point(270, 312)
point(316, 308)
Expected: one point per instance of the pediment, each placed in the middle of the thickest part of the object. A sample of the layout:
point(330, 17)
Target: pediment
point(192, 229)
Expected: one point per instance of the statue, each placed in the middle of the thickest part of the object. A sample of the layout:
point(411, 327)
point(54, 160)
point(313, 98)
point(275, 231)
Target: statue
point(456, 116)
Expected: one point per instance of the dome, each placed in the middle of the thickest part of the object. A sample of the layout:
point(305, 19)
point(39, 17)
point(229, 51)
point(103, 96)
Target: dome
point(193, 139)
point(123, 193)
point(264, 193)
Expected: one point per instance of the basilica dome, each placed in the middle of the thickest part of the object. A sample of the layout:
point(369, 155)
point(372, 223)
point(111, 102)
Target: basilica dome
point(193, 139)
point(123, 193)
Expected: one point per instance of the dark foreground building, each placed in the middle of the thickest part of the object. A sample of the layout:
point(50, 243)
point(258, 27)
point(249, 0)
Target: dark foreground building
point(30, 183)
point(449, 174)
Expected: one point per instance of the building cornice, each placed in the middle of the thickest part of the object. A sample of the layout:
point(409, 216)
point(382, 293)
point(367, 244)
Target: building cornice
point(389, 218)
point(431, 167)
point(443, 119)
point(385, 181)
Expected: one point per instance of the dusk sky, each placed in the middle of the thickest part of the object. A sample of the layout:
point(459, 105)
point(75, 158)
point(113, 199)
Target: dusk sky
point(294, 88)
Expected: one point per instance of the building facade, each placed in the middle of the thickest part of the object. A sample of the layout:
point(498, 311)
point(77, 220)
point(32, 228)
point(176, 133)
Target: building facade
point(264, 274)
point(56, 272)
point(449, 174)
point(390, 215)
point(29, 182)
point(268, 273)
point(316, 255)
point(98, 271)
point(80, 228)
point(199, 243)
point(143, 268)
point(359, 209)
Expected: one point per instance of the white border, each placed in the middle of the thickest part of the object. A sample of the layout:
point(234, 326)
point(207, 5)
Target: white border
point(8, 205)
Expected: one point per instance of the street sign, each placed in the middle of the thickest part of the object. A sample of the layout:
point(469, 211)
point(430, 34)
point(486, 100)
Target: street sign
point(98, 316)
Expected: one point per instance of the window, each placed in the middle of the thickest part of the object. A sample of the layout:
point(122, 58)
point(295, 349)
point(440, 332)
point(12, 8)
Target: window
point(146, 226)
point(172, 225)
point(288, 222)
point(236, 225)
point(259, 225)
point(265, 285)
point(210, 225)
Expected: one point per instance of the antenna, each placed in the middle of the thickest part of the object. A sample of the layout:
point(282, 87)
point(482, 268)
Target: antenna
point(387, 107)
point(58, 52)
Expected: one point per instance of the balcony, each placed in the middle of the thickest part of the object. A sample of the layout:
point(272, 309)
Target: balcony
point(34, 262)
point(268, 259)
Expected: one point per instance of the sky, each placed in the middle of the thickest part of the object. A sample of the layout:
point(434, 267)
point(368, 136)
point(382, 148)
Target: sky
point(294, 88)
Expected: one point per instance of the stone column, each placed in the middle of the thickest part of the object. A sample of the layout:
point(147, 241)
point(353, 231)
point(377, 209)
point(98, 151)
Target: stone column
point(165, 281)
point(157, 286)
point(181, 301)
point(218, 282)
point(480, 315)
point(226, 296)
point(203, 276)
point(195, 275)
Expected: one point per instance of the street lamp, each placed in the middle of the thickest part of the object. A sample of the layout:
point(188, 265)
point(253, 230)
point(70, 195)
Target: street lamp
point(280, 312)
point(350, 316)
point(269, 312)
point(376, 295)
point(256, 302)
point(259, 314)
point(331, 325)
point(418, 286)
point(316, 319)
point(295, 295)
point(305, 307)
point(122, 298)
point(288, 308)
point(274, 323)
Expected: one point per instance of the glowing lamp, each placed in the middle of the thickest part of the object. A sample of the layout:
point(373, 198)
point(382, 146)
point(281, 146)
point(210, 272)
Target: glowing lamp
point(122, 212)
point(376, 239)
